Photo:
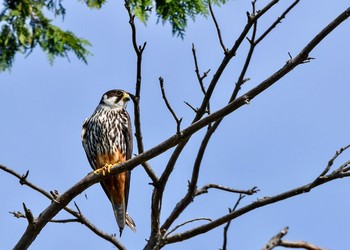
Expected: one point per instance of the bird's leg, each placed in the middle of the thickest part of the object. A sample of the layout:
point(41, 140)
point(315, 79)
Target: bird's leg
point(105, 169)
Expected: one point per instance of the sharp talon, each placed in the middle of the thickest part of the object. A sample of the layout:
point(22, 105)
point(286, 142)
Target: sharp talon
point(97, 171)
point(105, 169)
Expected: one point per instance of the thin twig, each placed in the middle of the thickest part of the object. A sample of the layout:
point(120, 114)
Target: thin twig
point(77, 207)
point(19, 214)
point(199, 77)
point(28, 214)
point(147, 167)
point(328, 167)
point(227, 226)
point(177, 120)
point(184, 223)
point(217, 28)
point(241, 79)
point(205, 188)
point(193, 108)
point(345, 167)
point(279, 19)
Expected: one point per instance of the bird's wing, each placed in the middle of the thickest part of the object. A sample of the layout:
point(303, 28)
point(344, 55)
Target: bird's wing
point(90, 154)
point(127, 132)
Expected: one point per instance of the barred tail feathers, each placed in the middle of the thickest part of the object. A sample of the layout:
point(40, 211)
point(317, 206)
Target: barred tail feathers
point(119, 213)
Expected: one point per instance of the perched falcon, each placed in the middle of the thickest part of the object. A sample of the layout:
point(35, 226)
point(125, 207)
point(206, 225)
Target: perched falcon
point(107, 140)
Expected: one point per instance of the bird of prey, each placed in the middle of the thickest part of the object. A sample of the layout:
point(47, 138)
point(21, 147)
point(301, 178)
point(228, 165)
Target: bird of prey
point(107, 141)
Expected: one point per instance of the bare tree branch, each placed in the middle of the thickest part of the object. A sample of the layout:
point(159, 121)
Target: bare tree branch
point(276, 241)
point(177, 120)
point(189, 105)
point(187, 199)
point(23, 179)
point(217, 28)
point(228, 56)
point(328, 167)
point(337, 174)
point(227, 226)
point(199, 77)
point(241, 79)
point(19, 214)
point(136, 98)
point(279, 19)
point(299, 244)
point(159, 190)
point(28, 215)
point(186, 222)
point(205, 188)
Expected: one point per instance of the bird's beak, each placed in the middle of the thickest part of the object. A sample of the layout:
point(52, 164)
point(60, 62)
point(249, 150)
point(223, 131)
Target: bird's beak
point(126, 97)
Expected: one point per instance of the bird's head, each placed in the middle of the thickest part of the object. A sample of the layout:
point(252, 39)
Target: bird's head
point(115, 99)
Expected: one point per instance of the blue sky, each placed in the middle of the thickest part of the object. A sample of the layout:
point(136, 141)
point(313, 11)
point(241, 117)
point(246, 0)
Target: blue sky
point(282, 140)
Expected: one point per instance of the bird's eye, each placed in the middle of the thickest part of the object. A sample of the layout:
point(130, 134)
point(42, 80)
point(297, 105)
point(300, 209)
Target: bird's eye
point(119, 93)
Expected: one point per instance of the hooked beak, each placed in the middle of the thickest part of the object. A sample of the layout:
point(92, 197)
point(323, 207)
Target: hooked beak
point(126, 97)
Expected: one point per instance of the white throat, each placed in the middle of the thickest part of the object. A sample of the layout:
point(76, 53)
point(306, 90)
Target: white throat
point(111, 104)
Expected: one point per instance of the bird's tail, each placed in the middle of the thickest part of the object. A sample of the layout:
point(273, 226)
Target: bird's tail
point(119, 213)
point(130, 222)
point(122, 217)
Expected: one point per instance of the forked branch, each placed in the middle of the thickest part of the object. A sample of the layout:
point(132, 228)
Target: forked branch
point(171, 110)
point(277, 240)
point(337, 174)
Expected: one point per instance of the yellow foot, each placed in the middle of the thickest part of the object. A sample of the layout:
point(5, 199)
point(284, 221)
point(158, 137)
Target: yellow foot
point(106, 168)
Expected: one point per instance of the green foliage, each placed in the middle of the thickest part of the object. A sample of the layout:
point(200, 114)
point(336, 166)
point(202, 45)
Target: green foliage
point(176, 12)
point(141, 8)
point(95, 4)
point(24, 26)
